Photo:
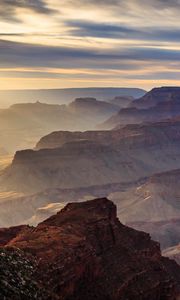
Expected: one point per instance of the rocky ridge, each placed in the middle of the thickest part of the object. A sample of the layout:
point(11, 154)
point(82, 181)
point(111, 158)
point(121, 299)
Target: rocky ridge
point(132, 115)
point(84, 252)
point(157, 95)
point(106, 157)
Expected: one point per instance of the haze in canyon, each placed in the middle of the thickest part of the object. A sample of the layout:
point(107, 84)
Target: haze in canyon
point(89, 150)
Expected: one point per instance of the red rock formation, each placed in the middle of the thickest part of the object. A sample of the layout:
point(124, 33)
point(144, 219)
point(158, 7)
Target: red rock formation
point(84, 252)
point(7, 234)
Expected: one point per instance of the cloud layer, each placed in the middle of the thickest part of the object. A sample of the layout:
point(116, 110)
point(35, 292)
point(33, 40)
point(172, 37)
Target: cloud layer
point(85, 42)
point(9, 8)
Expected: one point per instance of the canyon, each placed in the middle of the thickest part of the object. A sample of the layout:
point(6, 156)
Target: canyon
point(136, 165)
point(21, 125)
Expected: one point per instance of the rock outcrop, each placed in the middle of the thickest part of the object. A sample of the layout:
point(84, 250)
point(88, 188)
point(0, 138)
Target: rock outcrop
point(166, 232)
point(133, 135)
point(157, 95)
point(32, 209)
point(133, 115)
point(84, 252)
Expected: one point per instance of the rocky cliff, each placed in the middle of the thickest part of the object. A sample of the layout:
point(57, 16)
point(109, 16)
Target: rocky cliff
point(133, 135)
point(173, 253)
point(84, 252)
point(166, 232)
point(156, 96)
point(133, 115)
point(95, 158)
point(98, 164)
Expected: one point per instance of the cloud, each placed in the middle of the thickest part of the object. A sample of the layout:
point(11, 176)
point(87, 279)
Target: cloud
point(8, 8)
point(26, 55)
point(114, 31)
point(119, 3)
point(165, 3)
point(90, 29)
point(92, 38)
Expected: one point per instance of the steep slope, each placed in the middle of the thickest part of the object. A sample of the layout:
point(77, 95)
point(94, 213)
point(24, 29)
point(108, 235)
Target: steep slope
point(166, 232)
point(64, 96)
point(157, 95)
point(157, 199)
point(153, 207)
point(134, 135)
point(84, 252)
point(110, 157)
point(59, 138)
point(132, 115)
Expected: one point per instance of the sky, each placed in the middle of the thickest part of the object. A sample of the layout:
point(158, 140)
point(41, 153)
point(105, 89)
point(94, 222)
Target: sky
point(87, 43)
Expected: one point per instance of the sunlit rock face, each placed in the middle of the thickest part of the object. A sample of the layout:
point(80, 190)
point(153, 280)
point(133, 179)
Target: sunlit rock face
point(84, 246)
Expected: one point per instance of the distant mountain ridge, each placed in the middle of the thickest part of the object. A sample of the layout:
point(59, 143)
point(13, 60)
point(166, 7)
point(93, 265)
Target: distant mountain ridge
point(24, 123)
point(65, 96)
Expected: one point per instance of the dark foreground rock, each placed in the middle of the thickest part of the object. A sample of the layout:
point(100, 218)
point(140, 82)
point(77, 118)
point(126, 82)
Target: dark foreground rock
point(17, 276)
point(84, 252)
